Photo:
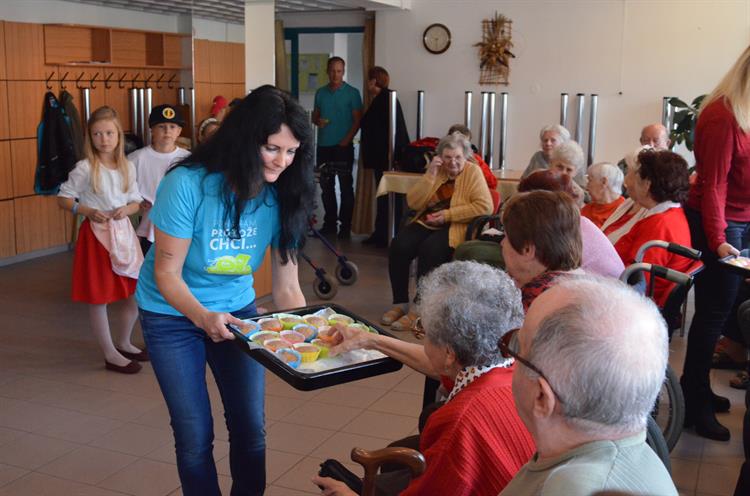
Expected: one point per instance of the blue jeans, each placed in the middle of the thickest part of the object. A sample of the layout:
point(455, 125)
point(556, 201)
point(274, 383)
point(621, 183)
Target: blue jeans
point(717, 295)
point(179, 352)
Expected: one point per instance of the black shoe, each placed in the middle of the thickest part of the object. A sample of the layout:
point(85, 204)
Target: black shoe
point(707, 426)
point(139, 357)
point(327, 231)
point(345, 234)
point(720, 403)
point(132, 368)
point(376, 240)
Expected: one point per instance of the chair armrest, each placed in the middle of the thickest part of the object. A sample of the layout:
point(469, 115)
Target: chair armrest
point(372, 460)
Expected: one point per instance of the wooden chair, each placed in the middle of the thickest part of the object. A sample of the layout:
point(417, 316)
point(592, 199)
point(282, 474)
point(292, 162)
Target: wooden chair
point(372, 460)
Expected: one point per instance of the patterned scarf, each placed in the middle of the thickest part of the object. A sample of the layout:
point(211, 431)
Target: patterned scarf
point(467, 375)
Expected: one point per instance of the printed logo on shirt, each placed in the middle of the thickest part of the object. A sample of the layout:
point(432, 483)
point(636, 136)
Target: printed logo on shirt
point(223, 240)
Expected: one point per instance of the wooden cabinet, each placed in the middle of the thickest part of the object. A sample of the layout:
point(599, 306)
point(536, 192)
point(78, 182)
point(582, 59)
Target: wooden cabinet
point(67, 45)
point(7, 229)
point(6, 171)
point(4, 123)
point(24, 51)
point(76, 44)
point(39, 223)
point(262, 278)
point(220, 61)
point(23, 158)
point(118, 99)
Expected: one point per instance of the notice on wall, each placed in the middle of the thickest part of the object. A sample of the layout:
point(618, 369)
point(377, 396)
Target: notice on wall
point(312, 71)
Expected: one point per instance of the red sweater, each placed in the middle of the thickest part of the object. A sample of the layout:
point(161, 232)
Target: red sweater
point(722, 163)
point(475, 443)
point(670, 226)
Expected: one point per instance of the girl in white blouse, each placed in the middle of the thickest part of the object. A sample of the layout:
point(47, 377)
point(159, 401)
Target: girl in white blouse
point(103, 188)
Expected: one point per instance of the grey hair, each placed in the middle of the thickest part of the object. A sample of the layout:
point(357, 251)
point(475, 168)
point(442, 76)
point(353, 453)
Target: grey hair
point(469, 306)
point(605, 354)
point(561, 131)
point(455, 141)
point(631, 159)
point(569, 152)
point(611, 172)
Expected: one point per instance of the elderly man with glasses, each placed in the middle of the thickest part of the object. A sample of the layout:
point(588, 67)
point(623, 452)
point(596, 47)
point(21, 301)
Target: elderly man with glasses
point(588, 373)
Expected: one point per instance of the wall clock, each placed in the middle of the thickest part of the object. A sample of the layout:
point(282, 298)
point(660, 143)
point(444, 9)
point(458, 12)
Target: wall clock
point(436, 38)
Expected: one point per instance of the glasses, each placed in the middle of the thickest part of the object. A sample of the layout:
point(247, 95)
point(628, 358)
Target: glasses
point(418, 329)
point(505, 344)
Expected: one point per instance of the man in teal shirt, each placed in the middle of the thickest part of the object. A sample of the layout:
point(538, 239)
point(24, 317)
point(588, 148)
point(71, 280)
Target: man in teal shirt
point(337, 112)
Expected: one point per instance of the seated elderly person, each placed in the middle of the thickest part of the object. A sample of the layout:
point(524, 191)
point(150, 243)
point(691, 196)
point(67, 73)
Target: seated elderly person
point(542, 240)
point(654, 136)
point(598, 256)
point(475, 443)
point(448, 196)
point(629, 212)
point(659, 186)
point(550, 137)
point(590, 368)
point(604, 186)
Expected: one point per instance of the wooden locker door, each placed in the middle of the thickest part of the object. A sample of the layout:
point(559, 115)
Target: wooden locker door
point(221, 61)
point(238, 63)
point(4, 122)
point(23, 160)
point(3, 74)
point(238, 91)
point(201, 61)
point(39, 223)
point(6, 171)
point(24, 51)
point(25, 104)
point(7, 229)
point(203, 99)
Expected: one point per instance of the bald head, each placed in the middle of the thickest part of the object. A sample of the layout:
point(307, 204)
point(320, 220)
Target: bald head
point(602, 347)
point(655, 135)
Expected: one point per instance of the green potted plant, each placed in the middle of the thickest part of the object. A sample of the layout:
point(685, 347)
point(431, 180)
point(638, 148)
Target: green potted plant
point(685, 118)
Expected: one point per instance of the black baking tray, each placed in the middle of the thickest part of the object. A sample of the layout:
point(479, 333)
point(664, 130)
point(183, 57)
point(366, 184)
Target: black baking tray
point(318, 380)
point(734, 268)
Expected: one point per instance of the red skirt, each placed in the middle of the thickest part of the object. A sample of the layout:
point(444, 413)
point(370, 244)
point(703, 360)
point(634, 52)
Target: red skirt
point(94, 281)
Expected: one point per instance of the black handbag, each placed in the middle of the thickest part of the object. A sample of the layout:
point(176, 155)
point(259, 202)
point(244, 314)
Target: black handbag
point(336, 470)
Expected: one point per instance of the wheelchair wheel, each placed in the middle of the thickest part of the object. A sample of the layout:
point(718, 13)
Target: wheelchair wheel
point(669, 410)
point(347, 273)
point(325, 287)
point(655, 440)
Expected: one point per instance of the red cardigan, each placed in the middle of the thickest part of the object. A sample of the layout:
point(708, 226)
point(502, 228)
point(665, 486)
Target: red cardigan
point(668, 226)
point(722, 163)
point(475, 443)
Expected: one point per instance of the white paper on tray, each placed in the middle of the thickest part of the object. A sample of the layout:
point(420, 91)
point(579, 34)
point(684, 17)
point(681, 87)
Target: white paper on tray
point(348, 358)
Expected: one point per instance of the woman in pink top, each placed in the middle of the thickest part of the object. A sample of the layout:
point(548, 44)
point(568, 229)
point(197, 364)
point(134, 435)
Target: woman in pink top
point(718, 213)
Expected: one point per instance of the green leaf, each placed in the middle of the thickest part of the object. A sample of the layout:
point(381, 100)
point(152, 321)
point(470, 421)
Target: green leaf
point(698, 100)
point(681, 116)
point(677, 103)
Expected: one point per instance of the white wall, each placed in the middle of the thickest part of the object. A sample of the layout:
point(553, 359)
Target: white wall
point(322, 19)
point(630, 52)
point(205, 29)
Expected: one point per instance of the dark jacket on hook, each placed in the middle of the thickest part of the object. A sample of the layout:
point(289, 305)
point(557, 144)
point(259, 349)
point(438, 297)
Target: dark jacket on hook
point(55, 151)
point(374, 140)
point(74, 120)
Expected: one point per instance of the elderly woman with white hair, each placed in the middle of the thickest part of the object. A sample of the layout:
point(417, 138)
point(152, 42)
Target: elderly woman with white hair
point(450, 194)
point(550, 137)
point(605, 189)
point(474, 443)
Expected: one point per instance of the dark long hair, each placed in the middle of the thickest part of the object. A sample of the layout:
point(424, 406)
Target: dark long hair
point(234, 151)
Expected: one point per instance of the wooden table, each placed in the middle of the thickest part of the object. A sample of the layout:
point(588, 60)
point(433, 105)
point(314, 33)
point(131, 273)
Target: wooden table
point(401, 182)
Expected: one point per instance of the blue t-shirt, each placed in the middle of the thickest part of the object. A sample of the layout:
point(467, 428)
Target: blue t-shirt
point(336, 106)
point(218, 267)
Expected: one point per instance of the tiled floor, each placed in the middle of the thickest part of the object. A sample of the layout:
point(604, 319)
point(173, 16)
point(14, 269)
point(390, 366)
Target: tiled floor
point(68, 427)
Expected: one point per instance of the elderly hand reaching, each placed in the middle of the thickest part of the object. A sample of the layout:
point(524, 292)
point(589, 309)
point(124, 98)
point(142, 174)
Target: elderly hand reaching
point(353, 339)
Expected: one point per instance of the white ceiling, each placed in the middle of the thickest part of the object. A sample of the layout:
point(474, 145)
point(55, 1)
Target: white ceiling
point(234, 10)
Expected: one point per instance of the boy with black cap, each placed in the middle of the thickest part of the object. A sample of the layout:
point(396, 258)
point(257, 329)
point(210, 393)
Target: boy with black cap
point(153, 161)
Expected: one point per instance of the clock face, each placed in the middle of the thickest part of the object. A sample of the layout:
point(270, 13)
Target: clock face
point(436, 38)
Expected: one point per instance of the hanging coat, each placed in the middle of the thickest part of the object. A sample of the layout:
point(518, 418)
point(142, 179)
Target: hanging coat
point(55, 151)
point(74, 120)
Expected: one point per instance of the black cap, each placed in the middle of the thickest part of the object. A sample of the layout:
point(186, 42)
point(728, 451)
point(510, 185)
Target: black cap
point(165, 113)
